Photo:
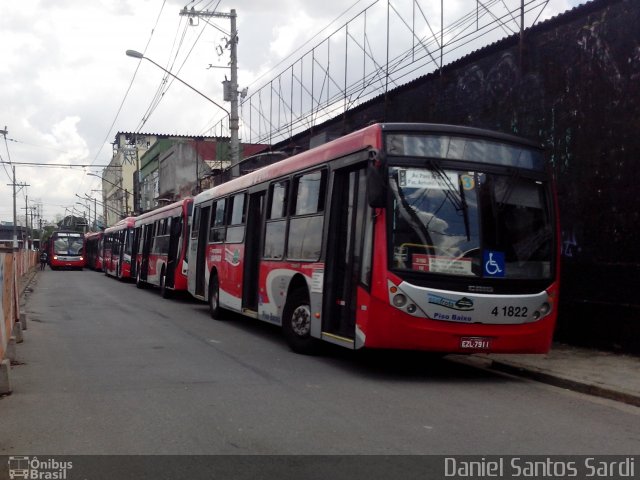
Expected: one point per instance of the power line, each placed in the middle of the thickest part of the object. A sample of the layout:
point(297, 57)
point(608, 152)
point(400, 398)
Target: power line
point(57, 165)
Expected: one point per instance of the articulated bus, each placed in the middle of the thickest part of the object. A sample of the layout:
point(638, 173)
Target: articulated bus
point(117, 249)
point(402, 236)
point(93, 250)
point(160, 244)
point(66, 250)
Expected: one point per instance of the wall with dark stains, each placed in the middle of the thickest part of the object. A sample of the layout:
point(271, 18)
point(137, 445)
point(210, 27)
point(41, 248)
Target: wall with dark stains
point(575, 86)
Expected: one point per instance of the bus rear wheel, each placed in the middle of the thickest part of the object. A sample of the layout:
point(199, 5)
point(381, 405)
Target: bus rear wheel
point(214, 297)
point(296, 324)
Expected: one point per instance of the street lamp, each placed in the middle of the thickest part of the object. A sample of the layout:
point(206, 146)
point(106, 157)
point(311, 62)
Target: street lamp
point(233, 119)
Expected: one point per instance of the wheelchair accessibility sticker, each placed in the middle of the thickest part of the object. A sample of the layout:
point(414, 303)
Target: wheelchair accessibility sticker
point(493, 263)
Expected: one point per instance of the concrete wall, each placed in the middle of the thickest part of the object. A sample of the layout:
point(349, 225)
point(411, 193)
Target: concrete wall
point(576, 88)
point(13, 267)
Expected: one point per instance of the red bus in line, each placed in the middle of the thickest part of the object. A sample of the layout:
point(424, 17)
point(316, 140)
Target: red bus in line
point(117, 249)
point(93, 250)
point(160, 244)
point(66, 250)
point(402, 236)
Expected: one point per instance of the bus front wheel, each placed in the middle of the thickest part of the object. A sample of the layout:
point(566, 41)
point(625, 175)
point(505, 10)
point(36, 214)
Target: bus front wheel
point(164, 291)
point(139, 283)
point(296, 324)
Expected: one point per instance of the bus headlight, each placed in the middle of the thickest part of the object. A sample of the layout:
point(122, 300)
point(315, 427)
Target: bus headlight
point(399, 300)
point(403, 301)
point(542, 311)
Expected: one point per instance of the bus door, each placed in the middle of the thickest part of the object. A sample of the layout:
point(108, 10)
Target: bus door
point(201, 255)
point(137, 233)
point(147, 237)
point(172, 257)
point(253, 250)
point(349, 216)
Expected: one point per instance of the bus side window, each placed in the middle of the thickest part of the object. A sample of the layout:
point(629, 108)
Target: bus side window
point(195, 227)
point(237, 212)
point(274, 239)
point(305, 227)
point(217, 229)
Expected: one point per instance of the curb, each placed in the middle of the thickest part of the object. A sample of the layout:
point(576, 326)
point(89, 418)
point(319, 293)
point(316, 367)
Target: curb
point(28, 279)
point(548, 377)
point(563, 382)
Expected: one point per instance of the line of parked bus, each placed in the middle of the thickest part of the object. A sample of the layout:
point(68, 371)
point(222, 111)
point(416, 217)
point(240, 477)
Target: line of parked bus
point(150, 248)
point(408, 236)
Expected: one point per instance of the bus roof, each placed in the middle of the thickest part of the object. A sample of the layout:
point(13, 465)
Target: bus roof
point(163, 211)
point(124, 223)
point(90, 235)
point(353, 142)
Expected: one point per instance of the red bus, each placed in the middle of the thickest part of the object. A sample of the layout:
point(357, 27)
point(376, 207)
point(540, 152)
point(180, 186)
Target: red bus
point(161, 243)
point(93, 250)
point(66, 250)
point(117, 249)
point(403, 236)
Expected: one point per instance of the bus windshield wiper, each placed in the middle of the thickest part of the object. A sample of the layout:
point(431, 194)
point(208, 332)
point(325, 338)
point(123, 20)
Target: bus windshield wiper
point(514, 176)
point(454, 194)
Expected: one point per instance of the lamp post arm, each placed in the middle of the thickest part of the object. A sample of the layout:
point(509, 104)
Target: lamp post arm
point(182, 82)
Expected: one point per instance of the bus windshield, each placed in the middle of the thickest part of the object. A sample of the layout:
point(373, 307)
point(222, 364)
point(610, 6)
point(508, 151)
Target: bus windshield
point(470, 223)
point(68, 244)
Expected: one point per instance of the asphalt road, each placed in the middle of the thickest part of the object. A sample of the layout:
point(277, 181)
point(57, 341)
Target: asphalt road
point(110, 369)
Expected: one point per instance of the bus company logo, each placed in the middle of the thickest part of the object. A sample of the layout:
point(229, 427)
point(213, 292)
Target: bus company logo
point(232, 256)
point(36, 469)
point(463, 304)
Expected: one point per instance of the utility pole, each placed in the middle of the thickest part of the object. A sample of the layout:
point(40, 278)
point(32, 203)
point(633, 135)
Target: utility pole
point(15, 216)
point(26, 221)
point(15, 184)
point(231, 94)
point(15, 229)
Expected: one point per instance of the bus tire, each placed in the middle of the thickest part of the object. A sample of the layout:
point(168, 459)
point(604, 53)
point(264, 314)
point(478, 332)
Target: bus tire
point(164, 291)
point(214, 297)
point(296, 324)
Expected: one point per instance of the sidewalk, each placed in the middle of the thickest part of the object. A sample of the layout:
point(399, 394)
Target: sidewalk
point(604, 374)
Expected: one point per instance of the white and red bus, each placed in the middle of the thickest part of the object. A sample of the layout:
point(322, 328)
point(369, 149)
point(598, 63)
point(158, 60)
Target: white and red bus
point(93, 250)
point(66, 250)
point(161, 243)
point(402, 236)
point(117, 249)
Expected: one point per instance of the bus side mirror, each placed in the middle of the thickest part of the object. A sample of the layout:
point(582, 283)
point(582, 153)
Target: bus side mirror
point(376, 181)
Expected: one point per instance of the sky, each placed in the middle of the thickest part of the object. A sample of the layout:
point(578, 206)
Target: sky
point(67, 87)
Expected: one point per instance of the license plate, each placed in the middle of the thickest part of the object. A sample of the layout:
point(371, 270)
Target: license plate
point(475, 343)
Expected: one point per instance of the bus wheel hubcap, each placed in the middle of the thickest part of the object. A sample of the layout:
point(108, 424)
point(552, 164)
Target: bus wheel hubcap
point(301, 320)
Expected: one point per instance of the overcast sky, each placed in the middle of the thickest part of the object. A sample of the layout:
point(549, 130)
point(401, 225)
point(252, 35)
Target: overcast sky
point(66, 86)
